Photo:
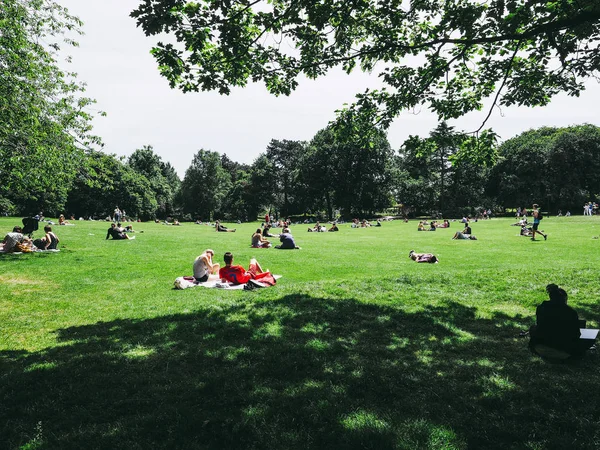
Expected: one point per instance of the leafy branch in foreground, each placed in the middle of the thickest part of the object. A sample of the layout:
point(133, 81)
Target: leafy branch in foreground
point(447, 55)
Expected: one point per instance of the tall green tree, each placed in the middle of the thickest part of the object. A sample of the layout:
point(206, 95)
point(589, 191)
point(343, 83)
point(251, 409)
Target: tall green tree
point(556, 167)
point(204, 186)
point(284, 158)
point(104, 182)
point(448, 55)
point(161, 176)
point(44, 120)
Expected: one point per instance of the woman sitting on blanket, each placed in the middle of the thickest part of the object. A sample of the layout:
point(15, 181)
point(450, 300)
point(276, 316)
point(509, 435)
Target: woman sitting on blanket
point(49, 241)
point(204, 266)
point(258, 241)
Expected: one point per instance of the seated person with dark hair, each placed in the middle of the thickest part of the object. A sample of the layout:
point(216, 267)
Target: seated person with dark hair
point(10, 241)
point(267, 231)
point(49, 241)
point(557, 326)
point(239, 275)
point(334, 227)
point(258, 241)
point(287, 241)
point(114, 232)
point(464, 234)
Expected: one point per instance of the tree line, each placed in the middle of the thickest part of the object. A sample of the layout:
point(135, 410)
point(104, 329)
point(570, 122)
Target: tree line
point(335, 174)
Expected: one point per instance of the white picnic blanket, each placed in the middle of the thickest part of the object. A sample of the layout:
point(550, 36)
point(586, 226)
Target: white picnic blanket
point(213, 282)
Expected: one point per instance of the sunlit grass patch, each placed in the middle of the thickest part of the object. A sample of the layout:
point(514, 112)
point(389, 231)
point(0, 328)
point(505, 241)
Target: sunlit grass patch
point(364, 420)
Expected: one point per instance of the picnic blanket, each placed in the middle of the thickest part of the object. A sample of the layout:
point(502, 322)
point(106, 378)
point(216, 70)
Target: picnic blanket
point(215, 282)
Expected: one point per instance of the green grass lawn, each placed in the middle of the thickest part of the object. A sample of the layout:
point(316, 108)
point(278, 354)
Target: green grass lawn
point(356, 346)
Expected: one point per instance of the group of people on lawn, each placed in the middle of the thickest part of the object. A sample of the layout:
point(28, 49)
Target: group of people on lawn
point(16, 241)
point(235, 274)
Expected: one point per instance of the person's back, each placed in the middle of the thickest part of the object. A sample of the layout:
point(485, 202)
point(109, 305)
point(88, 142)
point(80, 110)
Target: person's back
point(12, 239)
point(557, 324)
point(287, 240)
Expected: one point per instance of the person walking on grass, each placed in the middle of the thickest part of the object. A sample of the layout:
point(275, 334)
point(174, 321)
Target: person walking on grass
point(537, 217)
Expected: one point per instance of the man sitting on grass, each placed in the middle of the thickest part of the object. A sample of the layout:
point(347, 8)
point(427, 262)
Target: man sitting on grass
point(557, 325)
point(239, 275)
point(464, 234)
point(115, 233)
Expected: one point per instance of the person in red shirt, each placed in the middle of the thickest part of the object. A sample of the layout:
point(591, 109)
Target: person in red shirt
point(239, 275)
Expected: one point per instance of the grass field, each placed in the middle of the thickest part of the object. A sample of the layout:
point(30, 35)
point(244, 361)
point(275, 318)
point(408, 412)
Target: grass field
point(356, 346)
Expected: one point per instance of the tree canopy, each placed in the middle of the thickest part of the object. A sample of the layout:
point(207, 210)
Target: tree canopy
point(44, 120)
point(448, 55)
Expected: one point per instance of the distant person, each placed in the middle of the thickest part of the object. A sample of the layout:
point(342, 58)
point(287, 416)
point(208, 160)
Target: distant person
point(239, 275)
point(287, 241)
point(204, 266)
point(334, 227)
point(537, 217)
point(423, 257)
point(222, 228)
point(115, 233)
point(557, 325)
point(62, 221)
point(258, 241)
point(465, 234)
point(49, 241)
point(267, 231)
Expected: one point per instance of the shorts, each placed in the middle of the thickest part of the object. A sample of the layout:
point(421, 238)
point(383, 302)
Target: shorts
point(202, 279)
point(535, 226)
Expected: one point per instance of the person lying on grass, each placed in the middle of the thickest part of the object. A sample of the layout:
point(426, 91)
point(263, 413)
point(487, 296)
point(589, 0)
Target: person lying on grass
point(557, 325)
point(258, 241)
point(423, 257)
point(115, 233)
point(204, 266)
point(239, 275)
point(222, 228)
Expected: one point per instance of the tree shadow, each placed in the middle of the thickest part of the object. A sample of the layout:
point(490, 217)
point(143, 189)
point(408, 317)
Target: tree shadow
point(299, 372)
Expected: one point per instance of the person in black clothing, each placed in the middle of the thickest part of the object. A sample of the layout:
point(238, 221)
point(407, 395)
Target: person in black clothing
point(557, 325)
point(115, 233)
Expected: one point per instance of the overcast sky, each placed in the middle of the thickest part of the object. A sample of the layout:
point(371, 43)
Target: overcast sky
point(114, 60)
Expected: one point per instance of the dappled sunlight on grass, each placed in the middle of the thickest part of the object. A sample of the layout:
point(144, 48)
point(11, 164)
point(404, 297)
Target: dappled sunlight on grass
point(364, 420)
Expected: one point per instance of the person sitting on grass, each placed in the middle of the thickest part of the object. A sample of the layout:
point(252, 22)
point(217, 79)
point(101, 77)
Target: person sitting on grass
point(287, 241)
point(464, 234)
point(423, 257)
point(49, 241)
point(267, 231)
point(204, 266)
point(239, 275)
point(557, 325)
point(12, 239)
point(432, 225)
point(258, 241)
point(445, 224)
point(421, 226)
point(115, 233)
point(222, 228)
point(334, 227)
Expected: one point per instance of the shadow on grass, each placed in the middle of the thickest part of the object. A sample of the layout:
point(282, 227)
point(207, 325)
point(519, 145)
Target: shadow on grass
point(299, 372)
